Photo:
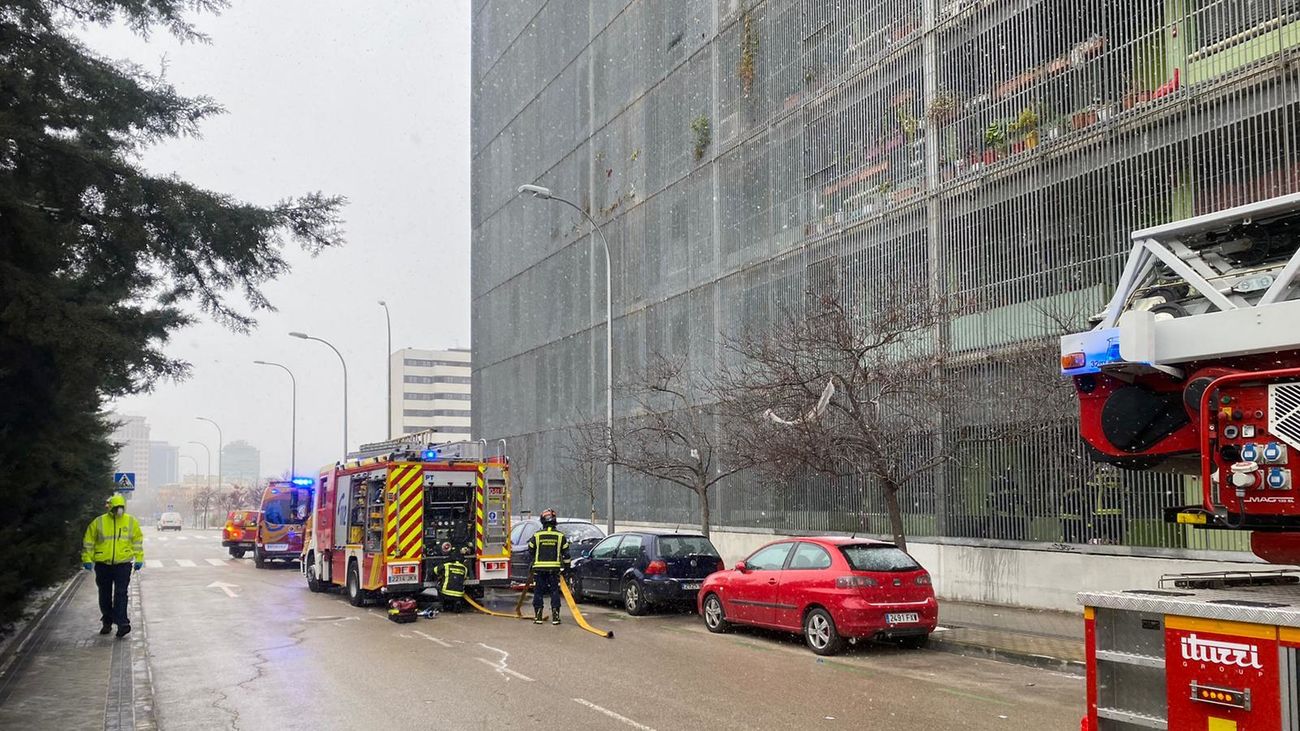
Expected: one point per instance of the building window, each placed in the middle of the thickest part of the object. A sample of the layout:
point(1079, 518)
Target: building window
point(465, 413)
point(437, 379)
point(436, 396)
point(421, 363)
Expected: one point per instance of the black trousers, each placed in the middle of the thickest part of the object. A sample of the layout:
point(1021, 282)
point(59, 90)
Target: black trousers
point(113, 580)
point(544, 583)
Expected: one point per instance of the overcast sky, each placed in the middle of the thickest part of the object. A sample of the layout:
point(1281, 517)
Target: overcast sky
point(348, 99)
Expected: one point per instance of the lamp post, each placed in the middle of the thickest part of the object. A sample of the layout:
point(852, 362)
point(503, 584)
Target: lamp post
point(545, 194)
point(293, 415)
point(220, 445)
point(207, 473)
point(305, 336)
point(388, 368)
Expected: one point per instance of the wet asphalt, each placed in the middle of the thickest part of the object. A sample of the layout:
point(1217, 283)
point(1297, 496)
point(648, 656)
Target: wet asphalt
point(230, 646)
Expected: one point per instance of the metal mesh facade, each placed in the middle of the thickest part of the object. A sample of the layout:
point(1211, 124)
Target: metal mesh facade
point(738, 154)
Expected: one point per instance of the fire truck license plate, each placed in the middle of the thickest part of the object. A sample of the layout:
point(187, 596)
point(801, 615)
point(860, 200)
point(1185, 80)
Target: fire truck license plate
point(277, 546)
point(402, 578)
point(902, 618)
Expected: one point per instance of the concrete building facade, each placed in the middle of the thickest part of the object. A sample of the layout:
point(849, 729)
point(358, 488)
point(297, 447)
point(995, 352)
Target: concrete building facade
point(241, 463)
point(431, 390)
point(133, 453)
point(740, 154)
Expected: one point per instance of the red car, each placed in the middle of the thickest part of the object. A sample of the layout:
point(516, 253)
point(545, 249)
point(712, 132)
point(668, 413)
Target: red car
point(829, 589)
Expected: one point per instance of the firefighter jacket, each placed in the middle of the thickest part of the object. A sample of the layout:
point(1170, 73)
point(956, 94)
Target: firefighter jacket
point(453, 579)
point(113, 539)
point(549, 549)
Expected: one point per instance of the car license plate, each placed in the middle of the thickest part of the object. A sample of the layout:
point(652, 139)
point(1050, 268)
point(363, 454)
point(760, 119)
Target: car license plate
point(902, 617)
point(693, 586)
point(277, 546)
point(403, 579)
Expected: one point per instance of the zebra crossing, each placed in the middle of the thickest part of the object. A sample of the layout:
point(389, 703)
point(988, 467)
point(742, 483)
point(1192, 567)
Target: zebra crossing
point(179, 537)
point(191, 563)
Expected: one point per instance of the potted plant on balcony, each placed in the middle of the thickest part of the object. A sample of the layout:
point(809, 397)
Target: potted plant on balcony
point(943, 107)
point(1025, 127)
point(995, 141)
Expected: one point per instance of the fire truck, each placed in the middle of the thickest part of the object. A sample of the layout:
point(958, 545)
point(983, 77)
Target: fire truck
point(391, 512)
point(1194, 367)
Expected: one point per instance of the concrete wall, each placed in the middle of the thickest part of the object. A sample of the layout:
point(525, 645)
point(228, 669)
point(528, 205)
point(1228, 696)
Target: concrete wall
point(1024, 577)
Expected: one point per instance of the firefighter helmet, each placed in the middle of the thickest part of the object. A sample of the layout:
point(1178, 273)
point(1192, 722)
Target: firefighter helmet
point(548, 518)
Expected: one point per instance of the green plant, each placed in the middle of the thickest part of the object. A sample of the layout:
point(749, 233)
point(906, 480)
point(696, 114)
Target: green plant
point(703, 135)
point(1026, 122)
point(995, 135)
point(909, 123)
point(748, 49)
point(943, 106)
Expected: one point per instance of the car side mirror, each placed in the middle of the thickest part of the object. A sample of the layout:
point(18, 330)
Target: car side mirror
point(742, 567)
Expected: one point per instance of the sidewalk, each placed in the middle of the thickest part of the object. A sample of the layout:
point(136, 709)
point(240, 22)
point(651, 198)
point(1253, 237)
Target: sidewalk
point(61, 673)
point(1047, 639)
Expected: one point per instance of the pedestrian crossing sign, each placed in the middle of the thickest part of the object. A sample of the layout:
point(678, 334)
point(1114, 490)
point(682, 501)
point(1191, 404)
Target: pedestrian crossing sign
point(124, 481)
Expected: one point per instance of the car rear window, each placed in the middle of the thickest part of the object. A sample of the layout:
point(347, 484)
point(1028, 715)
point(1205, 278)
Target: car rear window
point(580, 531)
point(878, 558)
point(682, 546)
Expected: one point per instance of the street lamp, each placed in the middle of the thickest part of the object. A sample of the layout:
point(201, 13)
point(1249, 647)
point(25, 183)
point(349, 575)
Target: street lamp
point(220, 445)
point(545, 194)
point(293, 416)
point(388, 368)
point(207, 473)
point(305, 336)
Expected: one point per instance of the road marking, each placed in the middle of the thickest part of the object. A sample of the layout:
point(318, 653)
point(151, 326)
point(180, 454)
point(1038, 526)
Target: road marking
point(153, 563)
point(432, 639)
point(500, 665)
point(182, 538)
point(185, 563)
point(160, 539)
point(228, 588)
point(216, 561)
point(611, 714)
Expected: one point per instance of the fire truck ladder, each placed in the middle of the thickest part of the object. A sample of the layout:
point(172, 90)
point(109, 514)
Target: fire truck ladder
point(1200, 289)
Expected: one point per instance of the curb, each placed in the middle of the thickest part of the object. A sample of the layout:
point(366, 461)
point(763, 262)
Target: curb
point(1042, 662)
point(23, 646)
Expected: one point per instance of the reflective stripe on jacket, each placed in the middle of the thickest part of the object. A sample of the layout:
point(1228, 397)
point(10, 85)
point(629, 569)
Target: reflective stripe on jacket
point(110, 539)
point(549, 548)
point(453, 579)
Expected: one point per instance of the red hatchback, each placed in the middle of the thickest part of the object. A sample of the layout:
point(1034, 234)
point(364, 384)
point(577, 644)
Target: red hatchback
point(829, 589)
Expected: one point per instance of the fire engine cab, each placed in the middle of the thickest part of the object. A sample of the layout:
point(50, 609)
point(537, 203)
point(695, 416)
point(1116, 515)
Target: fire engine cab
point(393, 511)
point(1194, 367)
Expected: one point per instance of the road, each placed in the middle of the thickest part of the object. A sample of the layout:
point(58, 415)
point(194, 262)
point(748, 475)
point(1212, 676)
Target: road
point(231, 646)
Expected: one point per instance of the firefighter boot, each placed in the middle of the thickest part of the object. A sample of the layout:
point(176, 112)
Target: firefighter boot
point(555, 616)
point(537, 616)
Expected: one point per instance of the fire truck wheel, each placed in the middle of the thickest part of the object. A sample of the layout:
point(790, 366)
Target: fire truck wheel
point(313, 584)
point(356, 595)
point(236, 553)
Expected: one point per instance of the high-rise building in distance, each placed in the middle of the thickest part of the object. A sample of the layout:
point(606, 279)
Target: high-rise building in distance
point(431, 390)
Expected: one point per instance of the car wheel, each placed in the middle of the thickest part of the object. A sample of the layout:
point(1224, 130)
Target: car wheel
point(914, 642)
point(314, 584)
point(356, 596)
point(634, 598)
point(575, 588)
point(237, 552)
point(259, 558)
point(820, 633)
point(715, 619)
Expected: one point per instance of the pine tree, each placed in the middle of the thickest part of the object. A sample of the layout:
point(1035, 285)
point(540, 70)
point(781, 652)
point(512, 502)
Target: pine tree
point(101, 261)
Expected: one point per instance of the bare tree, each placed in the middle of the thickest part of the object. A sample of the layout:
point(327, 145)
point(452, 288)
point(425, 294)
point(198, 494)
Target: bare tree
point(676, 433)
point(841, 390)
point(584, 459)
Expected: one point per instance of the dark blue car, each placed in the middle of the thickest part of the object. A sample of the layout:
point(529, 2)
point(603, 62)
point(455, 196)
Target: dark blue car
point(645, 569)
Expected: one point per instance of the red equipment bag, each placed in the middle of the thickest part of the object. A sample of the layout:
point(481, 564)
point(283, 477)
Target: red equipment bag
point(402, 610)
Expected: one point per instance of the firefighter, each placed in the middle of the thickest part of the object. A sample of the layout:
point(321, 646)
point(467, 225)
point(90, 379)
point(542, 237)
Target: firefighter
point(112, 545)
point(451, 590)
point(550, 555)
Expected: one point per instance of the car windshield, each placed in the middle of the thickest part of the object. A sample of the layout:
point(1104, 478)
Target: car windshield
point(867, 557)
point(682, 546)
point(286, 507)
point(581, 531)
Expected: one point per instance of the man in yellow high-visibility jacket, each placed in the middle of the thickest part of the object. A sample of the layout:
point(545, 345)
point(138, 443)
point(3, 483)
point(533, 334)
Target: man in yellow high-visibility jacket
point(113, 545)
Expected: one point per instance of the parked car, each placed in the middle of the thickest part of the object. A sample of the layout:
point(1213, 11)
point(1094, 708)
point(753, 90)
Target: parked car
point(169, 521)
point(582, 535)
point(240, 532)
point(829, 589)
point(645, 569)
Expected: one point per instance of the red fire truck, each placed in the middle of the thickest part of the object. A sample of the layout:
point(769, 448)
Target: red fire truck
point(1194, 367)
point(391, 512)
